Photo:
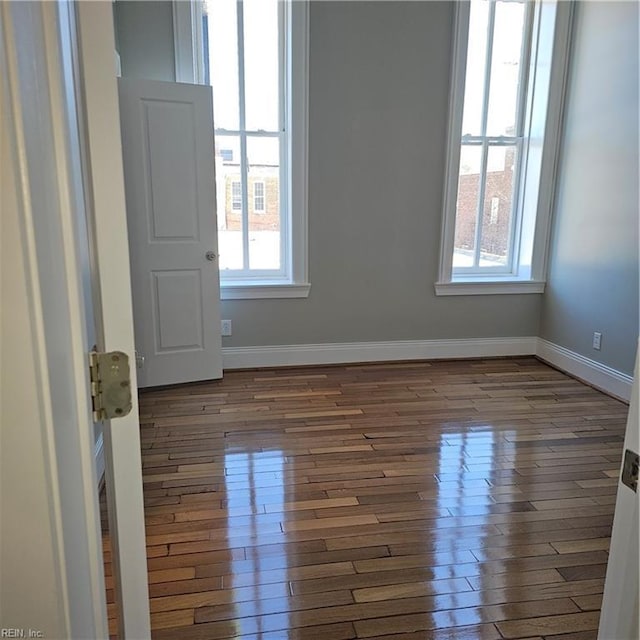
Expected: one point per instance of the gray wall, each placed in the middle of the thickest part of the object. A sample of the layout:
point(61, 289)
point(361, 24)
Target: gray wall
point(593, 275)
point(379, 83)
point(144, 38)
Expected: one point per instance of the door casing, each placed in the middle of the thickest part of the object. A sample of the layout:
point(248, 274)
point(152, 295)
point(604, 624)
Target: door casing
point(53, 577)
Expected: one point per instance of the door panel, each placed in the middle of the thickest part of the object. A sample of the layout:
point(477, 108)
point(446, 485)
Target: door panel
point(171, 135)
point(178, 331)
point(167, 136)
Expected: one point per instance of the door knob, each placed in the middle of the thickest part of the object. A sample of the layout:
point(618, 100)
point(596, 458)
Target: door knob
point(210, 256)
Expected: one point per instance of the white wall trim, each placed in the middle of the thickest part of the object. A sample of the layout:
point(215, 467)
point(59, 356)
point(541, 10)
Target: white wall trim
point(594, 373)
point(99, 455)
point(263, 291)
point(469, 288)
point(342, 352)
point(602, 377)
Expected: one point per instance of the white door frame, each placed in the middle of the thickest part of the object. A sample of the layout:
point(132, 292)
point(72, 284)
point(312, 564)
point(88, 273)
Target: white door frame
point(123, 466)
point(619, 615)
point(41, 218)
point(38, 126)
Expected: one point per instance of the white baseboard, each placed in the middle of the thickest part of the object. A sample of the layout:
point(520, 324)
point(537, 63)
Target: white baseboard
point(99, 455)
point(339, 353)
point(598, 375)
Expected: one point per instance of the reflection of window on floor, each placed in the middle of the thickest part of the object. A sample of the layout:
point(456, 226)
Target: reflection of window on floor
point(469, 462)
point(254, 486)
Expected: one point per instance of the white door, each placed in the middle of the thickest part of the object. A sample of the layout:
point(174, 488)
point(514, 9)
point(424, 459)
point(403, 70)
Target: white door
point(167, 140)
point(619, 617)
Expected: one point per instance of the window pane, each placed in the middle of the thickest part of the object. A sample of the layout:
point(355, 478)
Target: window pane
point(468, 194)
point(498, 207)
point(229, 201)
point(236, 196)
point(474, 79)
point(261, 62)
point(258, 196)
point(223, 62)
point(264, 226)
point(505, 68)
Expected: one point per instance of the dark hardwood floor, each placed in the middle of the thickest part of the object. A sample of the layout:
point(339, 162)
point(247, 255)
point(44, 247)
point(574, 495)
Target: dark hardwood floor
point(424, 500)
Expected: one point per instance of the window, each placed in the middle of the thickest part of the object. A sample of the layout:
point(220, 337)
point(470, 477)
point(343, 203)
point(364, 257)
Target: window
point(236, 196)
point(504, 123)
point(255, 55)
point(258, 197)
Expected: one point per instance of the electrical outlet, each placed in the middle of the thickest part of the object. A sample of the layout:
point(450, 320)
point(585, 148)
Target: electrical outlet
point(597, 339)
point(225, 326)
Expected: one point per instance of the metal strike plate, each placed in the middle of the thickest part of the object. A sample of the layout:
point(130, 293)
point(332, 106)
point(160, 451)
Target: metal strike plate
point(630, 470)
point(110, 384)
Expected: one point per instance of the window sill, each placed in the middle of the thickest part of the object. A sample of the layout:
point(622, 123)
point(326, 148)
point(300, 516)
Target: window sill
point(484, 287)
point(253, 291)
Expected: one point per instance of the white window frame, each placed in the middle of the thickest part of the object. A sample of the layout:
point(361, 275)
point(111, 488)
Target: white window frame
point(261, 197)
point(293, 280)
point(547, 73)
point(188, 41)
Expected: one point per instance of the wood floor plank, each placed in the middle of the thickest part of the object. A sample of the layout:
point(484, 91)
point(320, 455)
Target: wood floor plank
point(461, 617)
point(471, 632)
point(589, 602)
point(273, 605)
point(448, 500)
point(551, 625)
point(593, 544)
point(411, 590)
point(583, 573)
point(213, 631)
point(193, 585)
point(169, 619)
point(504, 580)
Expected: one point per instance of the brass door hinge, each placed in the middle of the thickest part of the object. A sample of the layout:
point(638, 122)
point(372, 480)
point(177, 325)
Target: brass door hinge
point(110, 384)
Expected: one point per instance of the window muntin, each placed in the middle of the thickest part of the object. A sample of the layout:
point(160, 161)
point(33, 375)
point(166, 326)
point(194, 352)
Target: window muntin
point(493, 136)
point(248, 74)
